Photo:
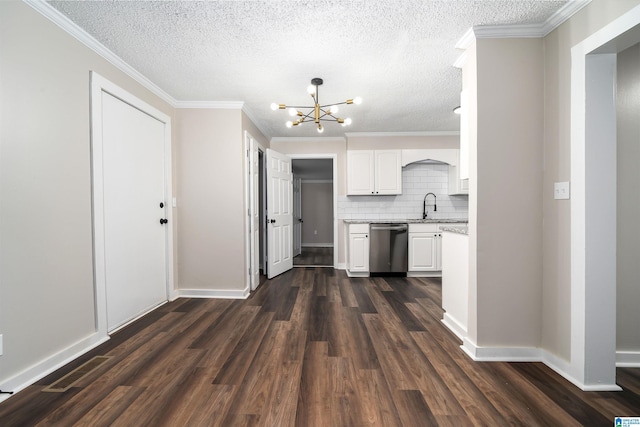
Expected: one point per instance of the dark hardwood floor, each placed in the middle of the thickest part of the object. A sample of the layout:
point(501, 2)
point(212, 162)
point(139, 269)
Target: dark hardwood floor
point(312, 256)
point(311, 347)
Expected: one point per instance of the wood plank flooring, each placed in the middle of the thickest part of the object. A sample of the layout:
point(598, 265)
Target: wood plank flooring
point(314, 257)
point(311, 347)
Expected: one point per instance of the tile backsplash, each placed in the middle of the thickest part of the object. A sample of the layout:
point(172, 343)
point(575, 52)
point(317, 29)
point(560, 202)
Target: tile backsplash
point(418, 179)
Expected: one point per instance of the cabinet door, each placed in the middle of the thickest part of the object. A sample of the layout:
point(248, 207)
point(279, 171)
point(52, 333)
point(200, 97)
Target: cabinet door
point(388, 172)
point(360, 169)
point(359, 252)
point(424, 252)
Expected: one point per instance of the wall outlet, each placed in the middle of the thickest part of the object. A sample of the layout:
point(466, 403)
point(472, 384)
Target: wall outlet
point(315, 231)
point(561, 190)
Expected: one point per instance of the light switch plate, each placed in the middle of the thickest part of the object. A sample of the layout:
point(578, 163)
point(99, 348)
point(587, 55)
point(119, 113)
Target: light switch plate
point(561, 190)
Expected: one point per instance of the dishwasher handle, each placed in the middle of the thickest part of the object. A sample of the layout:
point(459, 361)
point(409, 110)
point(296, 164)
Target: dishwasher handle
point(391, 227)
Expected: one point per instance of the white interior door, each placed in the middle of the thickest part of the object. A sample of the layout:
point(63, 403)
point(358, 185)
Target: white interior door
point(297, 216)
point(254, 211)
point(134, 188)
point(279, 214)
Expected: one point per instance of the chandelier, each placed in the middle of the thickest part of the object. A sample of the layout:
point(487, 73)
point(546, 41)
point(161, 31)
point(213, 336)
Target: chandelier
point(316, 112)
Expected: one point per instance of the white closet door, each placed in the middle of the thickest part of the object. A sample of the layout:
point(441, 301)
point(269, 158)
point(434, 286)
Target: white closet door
point(135, 239)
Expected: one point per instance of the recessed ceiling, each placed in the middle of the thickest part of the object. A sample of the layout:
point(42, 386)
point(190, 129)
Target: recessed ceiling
point(395, 54)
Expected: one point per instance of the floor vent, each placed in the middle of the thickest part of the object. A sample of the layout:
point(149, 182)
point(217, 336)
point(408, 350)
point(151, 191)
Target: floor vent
point(66, 382)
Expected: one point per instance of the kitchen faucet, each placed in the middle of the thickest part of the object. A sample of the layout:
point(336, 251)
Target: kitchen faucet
point(424, 205)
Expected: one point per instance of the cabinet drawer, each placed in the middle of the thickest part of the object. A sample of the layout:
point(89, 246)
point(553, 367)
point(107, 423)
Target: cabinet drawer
point(424, 228)
point(358, 228)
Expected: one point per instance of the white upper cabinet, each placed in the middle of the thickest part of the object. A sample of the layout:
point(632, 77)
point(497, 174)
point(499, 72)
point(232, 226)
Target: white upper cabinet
point(463, 172)
point(457, 186)
point(376, 172)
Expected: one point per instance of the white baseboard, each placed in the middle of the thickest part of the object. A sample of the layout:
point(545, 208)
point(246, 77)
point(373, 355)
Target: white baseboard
point(317, 245)
point(341, 266)
point(214, 293)
point(501, 354)
point(628, 359)
point(424, 273)
point(454, 326)
point(50, 364)
point(357, 274)
point(531, 354)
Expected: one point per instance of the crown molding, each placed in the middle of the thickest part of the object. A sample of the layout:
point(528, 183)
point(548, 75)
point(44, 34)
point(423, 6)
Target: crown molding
point(564, 13)
point(462, 59)
point(306, 139)
point(522, 31)
point(426, 133)
point(466, 40)
point(224, 105)
point(83, 37)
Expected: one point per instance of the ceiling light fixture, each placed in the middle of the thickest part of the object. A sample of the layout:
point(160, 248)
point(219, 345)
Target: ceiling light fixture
point(317, 113)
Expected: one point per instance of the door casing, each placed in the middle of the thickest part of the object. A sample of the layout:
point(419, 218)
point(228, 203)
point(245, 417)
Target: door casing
point(100, 85)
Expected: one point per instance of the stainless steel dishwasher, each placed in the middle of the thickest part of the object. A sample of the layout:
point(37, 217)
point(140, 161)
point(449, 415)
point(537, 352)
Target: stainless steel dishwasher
point(388, 248)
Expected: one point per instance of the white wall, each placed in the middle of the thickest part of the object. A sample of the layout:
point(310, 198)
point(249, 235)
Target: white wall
point(628, 200)
point(46, 271)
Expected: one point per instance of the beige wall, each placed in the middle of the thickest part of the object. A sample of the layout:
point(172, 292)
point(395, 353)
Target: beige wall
point(556, 293)
point(628, 204)
point(46, 270)
point(509, 171)
point(211, 202)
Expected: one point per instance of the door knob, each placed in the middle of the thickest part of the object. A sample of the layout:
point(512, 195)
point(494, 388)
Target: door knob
point(272, 221)
point(163, 221)
point(161, 205)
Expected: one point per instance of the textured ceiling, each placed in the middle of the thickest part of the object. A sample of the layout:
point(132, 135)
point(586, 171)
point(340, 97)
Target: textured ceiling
point(395, 54)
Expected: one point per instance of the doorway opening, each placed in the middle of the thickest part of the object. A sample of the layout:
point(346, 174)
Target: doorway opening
point(594, 203)
point(313, 211)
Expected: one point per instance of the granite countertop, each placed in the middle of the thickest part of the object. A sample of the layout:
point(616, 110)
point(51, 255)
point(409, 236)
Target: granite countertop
point(456, 229)
point(406, 221)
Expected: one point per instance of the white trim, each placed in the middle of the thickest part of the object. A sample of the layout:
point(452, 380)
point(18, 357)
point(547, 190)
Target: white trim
point(628, 359)
point(214, 293)
point(465, 41)
point(341, 266)
point(521, 31)
point(99, 85)
point(276, 139)
point(454, 326)
point(223, 105)
point(317, 245)
point(83, 37)
point(527, 30)
point(501, 354)
point(418, 133)
point(334, 157)
point(461, 60)
point(563, 368)
point(51, 363)
point(581, 366)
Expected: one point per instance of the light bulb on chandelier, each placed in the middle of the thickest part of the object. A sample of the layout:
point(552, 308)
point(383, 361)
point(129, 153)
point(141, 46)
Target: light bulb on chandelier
point(317, 113)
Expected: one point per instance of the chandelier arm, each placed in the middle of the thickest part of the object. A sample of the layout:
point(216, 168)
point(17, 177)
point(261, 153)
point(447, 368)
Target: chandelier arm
point(299, 106)
point(337, 103)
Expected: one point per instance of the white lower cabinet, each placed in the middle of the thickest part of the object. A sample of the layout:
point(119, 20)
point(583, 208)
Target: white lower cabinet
point(425, 248)
point(358, 250)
